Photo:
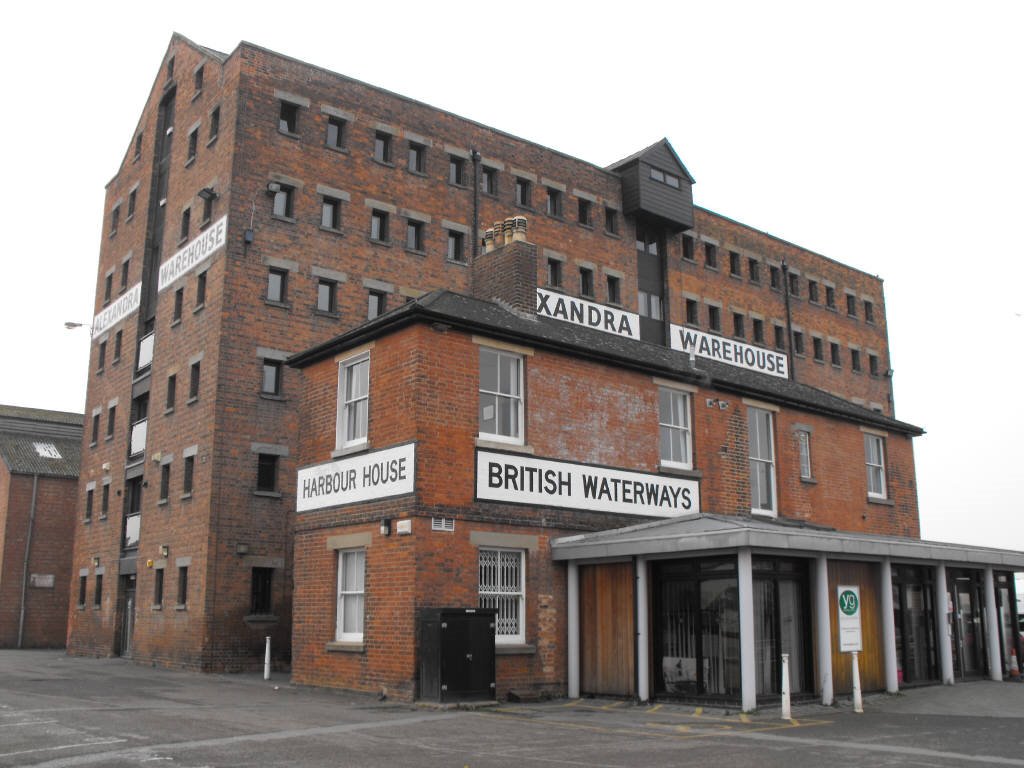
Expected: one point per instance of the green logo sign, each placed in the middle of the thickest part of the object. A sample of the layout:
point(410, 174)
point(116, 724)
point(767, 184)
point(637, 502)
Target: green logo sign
point(848, 602)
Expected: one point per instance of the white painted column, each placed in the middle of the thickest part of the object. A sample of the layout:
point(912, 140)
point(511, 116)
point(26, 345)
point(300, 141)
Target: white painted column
point(823, 629)
point(573, 623)
point(643, 658)
point(995, 663)
point(748, 666)
point(892, 682)
point(942, 626)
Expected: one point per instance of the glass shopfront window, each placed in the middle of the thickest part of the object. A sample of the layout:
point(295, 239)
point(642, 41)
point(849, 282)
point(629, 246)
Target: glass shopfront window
point(914, 615)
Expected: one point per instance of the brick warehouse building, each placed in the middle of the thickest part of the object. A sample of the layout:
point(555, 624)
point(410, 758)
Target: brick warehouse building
point(39, 456)
point(298, 203)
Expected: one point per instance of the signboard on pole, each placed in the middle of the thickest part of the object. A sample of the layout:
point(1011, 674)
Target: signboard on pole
point(849, 618)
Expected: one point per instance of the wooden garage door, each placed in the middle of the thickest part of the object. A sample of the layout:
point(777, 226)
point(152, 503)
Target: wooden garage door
point(607, 629)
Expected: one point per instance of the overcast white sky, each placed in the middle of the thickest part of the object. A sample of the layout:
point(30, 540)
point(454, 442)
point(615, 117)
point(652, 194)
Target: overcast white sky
point(885, 135)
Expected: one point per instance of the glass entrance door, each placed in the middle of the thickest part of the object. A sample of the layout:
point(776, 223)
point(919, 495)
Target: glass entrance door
point(967, 626)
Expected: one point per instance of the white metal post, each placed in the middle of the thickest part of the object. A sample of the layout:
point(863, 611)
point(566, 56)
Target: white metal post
point(266, 661)
point(643, 663)
point(573, 623)
point(943, 626)
point(787, 713)
point(858, 702)
point(748, 663)
point(892, 682)
point(823, 626)
point(995, 662)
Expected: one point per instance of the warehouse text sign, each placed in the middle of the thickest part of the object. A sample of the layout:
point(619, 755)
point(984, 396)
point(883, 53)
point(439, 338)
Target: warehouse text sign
point(127, 303)
point(527, 480)
point(194, 253)
point(730, 351)
point(364, 477)
point(588, 314)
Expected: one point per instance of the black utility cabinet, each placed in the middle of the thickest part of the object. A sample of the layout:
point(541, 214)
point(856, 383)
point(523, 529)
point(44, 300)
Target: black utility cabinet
point(457, 654)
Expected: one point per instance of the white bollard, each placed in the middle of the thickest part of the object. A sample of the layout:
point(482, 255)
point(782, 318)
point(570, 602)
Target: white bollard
point(266, 661)
point(786, 712)
point(858, 702)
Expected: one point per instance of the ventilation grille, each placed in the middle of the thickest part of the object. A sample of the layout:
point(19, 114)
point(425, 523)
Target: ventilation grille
point(442, 524)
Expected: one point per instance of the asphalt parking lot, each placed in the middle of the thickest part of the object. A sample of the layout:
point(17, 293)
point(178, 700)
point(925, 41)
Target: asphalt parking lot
point(62, 711)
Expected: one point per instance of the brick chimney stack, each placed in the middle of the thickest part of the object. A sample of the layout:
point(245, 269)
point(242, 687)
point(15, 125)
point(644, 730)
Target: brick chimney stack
point(506, 271)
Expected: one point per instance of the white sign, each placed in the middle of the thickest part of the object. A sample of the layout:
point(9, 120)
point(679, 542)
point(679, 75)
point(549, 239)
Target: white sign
point(47, 450)
point(120, 309)
point(520, 479)
point(729, 351)
point(588, 314)
point(194, 253)
point(364, 477)
point(848, 604)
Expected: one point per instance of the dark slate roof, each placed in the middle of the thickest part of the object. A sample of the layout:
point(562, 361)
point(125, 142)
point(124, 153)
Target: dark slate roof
point(616, 166)
point(22, 428)
point(502, 322)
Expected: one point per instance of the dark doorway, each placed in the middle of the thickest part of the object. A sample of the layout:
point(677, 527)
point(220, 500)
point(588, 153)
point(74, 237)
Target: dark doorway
point(126, 615)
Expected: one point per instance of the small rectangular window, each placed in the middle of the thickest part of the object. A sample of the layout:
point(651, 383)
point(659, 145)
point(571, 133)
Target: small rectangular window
point(834, 354)
point(798, 343)
point(812, 291)
point(262, 583)
point(417, 158)
point(284, 200)
point(714, 318)
point(379, 226)
point(111, 418)
point(214, 124)
point(277, 285)
point(757, 329)
point(97, 594)
point(456, 246)
point(874, 458)
point(330, 213)
point(502, 586)
point(353, 402)
point(108, 287)
point(489, 181)
point(351, 597)
point(692, 317)
point(165, 481)
point(200, 289)
point(376, 304)
point(288, 118)
point(710, 255)
point(207, 199)
point(101, 356)
point(804, 443)
point(523, 192)
point(554, 203)
point(271, 384)
point(326, 295)
point(197, 80)
point(82, 590)
point(674, 428)
point(118, 338)
point(780, 337)
point(172, 386)
point(762, 461)
point(188, 470)
point(688, 248)
point(869, 312)
point(138, 146)
point(819, 348)
point(186, 224)
point(734, 264)
point(266, 472)
point(554, 273)
point(193, 145)
point(158, 586)
point(335, 133)
point(851, 305)
point(414, 235)
point(739, 323)
point(586, 282)
point(611, 221)
point(873, 364)
point(193, 381)
point(775, 278)
point(105, 500)
point(89, 494)
point(456, 170)
point(115, 219)
point(583, 212)
point(794, 284)
point(124, 274)
point(382, 147)
point(855, 360)
point(95, 429)
point(132, 196)
point(830, 297)
point(754, 270)
point(182, 586)
point(614, 292)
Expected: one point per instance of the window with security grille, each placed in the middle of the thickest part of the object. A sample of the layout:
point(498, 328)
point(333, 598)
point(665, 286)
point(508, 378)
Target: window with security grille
point(502, 573)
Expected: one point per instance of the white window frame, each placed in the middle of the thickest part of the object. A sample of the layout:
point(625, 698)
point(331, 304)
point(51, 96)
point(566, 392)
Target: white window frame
point(350, 592)
point(347, 406)
point(667, 425)
point(495, 588)
point(875, 469)
point(803, 441)
point(493, 396)
point(757, 418)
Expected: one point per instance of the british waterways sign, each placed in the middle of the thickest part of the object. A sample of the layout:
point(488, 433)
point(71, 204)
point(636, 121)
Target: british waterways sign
point(518, 479)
